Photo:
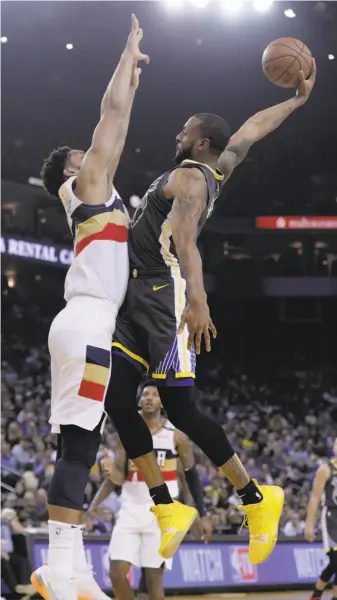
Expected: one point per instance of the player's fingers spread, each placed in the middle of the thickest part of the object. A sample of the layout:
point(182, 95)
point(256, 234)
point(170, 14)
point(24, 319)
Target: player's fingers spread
point(145, 58)
point(183, 322)
point(198, 342)
point(212, 327)
point(135, 23)
point(207, 340)
point(313, 70)
point(301, 76)
point(140, 34)
point(190, 340)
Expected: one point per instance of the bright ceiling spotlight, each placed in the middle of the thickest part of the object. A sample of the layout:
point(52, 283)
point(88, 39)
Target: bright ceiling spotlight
point(263, 5)
point(232, 6)
point(289, 13)
point(199, 3)
point(69, 46)
point(134, 201)
point(331, 56)
point(4, 39)
point(174, 4)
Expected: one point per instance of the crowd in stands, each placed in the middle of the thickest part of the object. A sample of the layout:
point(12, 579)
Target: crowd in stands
point(282, 425)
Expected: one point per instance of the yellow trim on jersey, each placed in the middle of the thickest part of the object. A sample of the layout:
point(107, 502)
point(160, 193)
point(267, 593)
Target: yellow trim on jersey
point(217, 174)
point(187, 374)
point(135, 357)
point(179, 301)
point(169, 259)
point(181, 375)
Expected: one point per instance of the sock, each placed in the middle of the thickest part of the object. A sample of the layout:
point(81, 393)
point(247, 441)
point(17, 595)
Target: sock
point(80, 559)
point(250, 494)
point(61, 548)
point(161, 495)
point(317, 593)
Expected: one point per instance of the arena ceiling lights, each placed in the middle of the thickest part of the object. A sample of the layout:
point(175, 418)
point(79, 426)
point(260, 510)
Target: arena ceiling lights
point(231, 6)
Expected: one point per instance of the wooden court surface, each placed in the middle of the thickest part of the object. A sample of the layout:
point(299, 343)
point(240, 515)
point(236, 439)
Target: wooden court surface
point(260, 596)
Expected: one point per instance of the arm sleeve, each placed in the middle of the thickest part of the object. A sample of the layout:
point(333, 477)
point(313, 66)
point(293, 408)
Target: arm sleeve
point(196, 489)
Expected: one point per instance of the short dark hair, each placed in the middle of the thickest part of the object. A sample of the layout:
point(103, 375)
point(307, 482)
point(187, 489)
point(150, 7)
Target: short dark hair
point(52, 170)
point(216, 129)
point(145, 384)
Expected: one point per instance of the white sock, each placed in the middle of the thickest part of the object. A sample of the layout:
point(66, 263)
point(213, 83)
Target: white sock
point(80, 559)
point(61, 549)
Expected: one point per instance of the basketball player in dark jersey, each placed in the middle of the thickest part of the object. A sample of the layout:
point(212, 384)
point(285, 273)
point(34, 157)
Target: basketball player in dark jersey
point(324, 491)
point(166, 315)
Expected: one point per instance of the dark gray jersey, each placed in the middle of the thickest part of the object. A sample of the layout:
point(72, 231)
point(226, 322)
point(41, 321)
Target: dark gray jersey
point(150, 236)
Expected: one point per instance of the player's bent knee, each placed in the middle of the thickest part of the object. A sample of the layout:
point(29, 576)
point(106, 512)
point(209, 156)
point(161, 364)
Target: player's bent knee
point(118, 570)
point(80, 445)
point(78, 455)
point(68, 484)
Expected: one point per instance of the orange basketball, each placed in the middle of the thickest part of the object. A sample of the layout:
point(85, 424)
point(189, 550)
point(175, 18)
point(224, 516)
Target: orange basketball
point(283, 59)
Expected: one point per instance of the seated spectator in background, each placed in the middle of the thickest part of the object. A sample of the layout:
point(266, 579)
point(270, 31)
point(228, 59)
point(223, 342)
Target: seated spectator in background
point(7, 460)
point(21, 452)
point(14, 433)
point(294, 526)
point(15, 567)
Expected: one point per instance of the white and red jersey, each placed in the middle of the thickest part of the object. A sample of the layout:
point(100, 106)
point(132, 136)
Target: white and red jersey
point(100, 267)
point(135, 489)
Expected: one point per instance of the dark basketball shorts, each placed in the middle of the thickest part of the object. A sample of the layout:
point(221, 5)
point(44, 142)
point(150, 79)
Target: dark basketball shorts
point(329, 528)
point(146, 329)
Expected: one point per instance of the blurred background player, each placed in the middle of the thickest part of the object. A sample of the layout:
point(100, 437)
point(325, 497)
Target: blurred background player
point(136, 537)
point(324, 492)
point(80, 335)
point(166, 312)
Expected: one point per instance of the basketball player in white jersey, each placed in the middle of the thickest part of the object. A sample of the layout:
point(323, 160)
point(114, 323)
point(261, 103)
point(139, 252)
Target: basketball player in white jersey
point(136, 537)
point(81, 334)
point(324, 492)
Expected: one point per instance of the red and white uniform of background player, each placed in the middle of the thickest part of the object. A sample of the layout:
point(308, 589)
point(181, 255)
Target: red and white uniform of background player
point(136, 535)
point(80, 335)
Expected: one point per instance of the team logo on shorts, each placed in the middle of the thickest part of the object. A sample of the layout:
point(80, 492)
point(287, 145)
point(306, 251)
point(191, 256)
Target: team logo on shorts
point(242, 570)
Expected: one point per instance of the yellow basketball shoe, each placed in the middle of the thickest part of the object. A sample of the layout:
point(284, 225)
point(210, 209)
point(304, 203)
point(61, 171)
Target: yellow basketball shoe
point(174, 520)
point(262, 520)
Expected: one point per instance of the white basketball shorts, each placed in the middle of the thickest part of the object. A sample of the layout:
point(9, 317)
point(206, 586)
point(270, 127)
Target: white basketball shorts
point(136, 538)
point(80, 349)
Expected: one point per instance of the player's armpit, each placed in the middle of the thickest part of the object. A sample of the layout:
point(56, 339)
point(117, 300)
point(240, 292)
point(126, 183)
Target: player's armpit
point(236, 151)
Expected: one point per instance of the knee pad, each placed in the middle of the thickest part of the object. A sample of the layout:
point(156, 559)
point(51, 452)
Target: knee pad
point(333, 561)
point(68, 485)
point(78, 455)
point(331, 568)
point(80, 445)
